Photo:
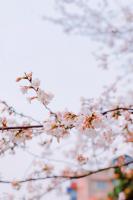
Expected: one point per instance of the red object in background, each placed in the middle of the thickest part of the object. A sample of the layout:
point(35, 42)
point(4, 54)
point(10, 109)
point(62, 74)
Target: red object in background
point(74, 186)
point(93, 198)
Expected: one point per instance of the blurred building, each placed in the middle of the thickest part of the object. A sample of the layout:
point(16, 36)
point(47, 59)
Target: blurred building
point(94, 187)
point(97, 186)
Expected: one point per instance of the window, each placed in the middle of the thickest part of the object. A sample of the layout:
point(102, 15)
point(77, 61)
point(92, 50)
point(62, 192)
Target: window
point(101, 185)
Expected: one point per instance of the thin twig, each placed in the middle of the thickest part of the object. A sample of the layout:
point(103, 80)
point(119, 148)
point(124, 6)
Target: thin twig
point(117, 109)
point(11, 109)
point(67, 177)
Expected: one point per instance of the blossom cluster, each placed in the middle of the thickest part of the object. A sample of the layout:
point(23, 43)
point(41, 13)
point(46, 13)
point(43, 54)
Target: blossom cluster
point(110, 125)
point(99, 129)
point(34, 84)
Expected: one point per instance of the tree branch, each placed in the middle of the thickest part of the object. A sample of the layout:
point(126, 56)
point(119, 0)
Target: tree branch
point(12, 110)
point(117, 109)
point(66, 177)
point(20, 127)
point(41, 126)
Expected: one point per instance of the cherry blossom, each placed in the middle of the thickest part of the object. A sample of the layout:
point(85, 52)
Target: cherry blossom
point(101, 129)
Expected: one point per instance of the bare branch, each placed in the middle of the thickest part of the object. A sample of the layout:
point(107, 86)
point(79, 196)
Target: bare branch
point(20, 127)
point(12, 110)
point(67, 177)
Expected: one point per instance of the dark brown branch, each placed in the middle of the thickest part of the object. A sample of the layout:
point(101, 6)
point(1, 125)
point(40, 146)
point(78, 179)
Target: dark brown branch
point(20, 127)
point(67, 177)
point(117, 109)
point(41, 126)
